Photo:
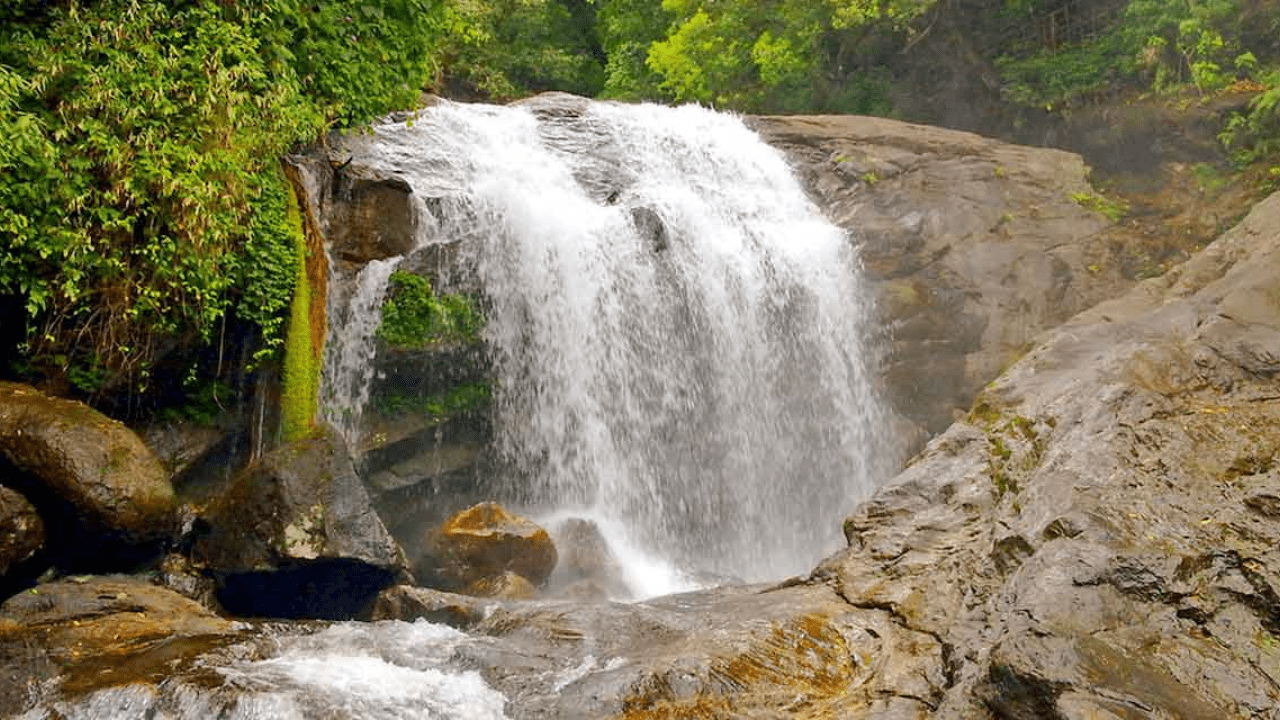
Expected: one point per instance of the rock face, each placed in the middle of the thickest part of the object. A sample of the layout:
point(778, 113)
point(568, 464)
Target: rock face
point(481, 544)
point(93, 479)
point(296, 536)
point(21, 532)
point(1102, 537)
point(974, 246)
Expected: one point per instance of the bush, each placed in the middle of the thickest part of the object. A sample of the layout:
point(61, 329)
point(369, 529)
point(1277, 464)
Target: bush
point(414, 317)
point(140, 193)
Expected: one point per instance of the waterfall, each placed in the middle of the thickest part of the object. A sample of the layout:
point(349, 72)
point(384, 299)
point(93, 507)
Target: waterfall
point(678, 337)
point(350, 347)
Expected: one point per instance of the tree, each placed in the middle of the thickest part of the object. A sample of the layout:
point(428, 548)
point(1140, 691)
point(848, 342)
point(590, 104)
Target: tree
point(769, 56)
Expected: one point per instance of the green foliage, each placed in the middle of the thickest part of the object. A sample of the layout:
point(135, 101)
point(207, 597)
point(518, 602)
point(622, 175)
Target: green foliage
point(776, 56)
point(627, 28)
point(414, 317)
point(140, 196)
point(269, 275)
point(355, 60)
point(1254, 136)
point(1114, 210)
point(1157, 44)
point(509, 48)
point(459, 399)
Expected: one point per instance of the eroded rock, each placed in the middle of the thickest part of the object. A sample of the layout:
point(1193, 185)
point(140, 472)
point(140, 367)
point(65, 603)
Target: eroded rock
point(75, 635)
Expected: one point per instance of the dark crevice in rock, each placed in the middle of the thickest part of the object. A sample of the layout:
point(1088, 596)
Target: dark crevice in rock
point(321, 590)
point(1264, 602)
point(1011, 695)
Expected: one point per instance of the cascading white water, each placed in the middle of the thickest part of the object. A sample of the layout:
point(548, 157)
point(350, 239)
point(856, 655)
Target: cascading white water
point(349, 349)
point(677, 334)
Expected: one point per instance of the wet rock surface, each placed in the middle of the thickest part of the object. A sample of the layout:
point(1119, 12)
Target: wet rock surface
point(974, 246)
point(103, 494)
point(21, 533)
point(1098, 539)
point(296, 536)
point(476, 547)
point(68, 637)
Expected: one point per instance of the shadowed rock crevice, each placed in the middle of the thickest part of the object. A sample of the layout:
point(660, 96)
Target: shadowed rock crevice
point(323, 589)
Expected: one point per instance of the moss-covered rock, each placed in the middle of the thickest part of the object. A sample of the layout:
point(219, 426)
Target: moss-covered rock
point(90, 473)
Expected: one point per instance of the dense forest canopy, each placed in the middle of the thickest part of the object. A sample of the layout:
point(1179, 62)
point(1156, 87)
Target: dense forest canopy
point(141, 199)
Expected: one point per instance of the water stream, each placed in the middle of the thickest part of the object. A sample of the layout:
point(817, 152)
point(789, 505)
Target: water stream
point(678, 336)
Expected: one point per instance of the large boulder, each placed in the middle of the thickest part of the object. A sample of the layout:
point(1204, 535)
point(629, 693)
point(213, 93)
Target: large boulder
point(296, 536)
point(587, 568)
point(974, 246)
point(99, 487)
point(482, 543)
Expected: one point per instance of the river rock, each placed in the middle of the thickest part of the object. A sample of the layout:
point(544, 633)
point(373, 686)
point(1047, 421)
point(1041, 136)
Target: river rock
point(296, 536)
point(99, 487)
point(587, 568)
point(974, 246)
point(409, 603)
point(506, 585)
point(21, 531)
point(74, 635)
point(482, 542)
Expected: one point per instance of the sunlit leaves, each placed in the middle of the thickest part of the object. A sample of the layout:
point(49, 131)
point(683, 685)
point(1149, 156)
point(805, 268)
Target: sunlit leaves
point(773, 55)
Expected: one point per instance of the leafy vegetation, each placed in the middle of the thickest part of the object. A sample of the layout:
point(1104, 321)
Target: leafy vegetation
point(779, 56)
point(1114, 210)
point(140, 192)
point(459, 399)
point(1157, 44)
point(414, 317)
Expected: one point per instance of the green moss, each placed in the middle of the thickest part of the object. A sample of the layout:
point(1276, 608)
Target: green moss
point(301, 386)
point(1114, 210)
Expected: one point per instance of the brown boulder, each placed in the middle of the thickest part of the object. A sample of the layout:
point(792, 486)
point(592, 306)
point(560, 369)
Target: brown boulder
point(485, 541)
point(101, 476)
point(21, 531)
point(89, 632)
